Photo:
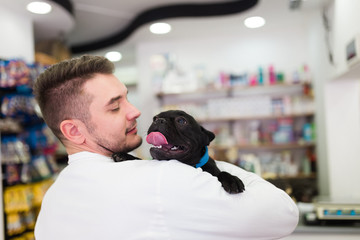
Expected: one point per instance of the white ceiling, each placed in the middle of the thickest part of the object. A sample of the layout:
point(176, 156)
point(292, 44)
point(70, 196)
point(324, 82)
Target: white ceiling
point(96, 19)
point(108, 16)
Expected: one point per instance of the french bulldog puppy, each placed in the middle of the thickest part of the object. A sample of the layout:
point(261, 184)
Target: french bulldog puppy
point(176, 135)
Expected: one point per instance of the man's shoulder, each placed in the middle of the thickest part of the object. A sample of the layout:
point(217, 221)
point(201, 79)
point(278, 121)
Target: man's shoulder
point(160, 164)
point(166, 168)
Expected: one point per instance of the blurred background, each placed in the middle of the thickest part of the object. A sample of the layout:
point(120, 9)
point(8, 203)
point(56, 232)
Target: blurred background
point(276, 81)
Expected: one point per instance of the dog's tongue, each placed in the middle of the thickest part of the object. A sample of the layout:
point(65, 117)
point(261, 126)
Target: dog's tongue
point(156, 139)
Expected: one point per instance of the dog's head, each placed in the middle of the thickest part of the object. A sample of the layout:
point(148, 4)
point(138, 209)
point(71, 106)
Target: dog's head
point(175, 134)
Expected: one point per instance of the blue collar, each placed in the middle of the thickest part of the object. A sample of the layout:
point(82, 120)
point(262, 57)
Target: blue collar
point(204, 159)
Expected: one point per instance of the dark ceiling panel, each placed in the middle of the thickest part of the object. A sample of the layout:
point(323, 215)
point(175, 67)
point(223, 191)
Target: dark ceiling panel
point(166, 12)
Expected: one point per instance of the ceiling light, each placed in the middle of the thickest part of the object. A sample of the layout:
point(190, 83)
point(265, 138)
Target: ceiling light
point(254, 22)
point(113, 56)
point(160, 28)
point(39, 7)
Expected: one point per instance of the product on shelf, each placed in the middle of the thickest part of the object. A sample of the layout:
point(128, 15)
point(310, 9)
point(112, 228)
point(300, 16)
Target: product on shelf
point(21, 205)
point(15, 73)
point(20, 166)
point(18, 105)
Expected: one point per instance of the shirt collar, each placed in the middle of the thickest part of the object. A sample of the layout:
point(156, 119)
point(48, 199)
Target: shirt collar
point(88, 156)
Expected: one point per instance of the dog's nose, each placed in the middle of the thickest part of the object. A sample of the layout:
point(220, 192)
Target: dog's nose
point(160, 120)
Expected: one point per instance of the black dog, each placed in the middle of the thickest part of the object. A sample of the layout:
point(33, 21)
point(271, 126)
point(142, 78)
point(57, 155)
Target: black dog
point(176, 135)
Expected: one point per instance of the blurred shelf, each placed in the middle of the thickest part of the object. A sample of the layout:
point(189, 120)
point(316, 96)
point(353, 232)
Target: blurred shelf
point(198, 91)
point(270, 146)
point(254, 117)
point(45, 59)
point(268, 176)
point(231, 89)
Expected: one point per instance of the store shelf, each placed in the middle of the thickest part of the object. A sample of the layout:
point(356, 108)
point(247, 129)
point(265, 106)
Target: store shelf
point(291, 177)
point(270, 146)
point(279, 87)
point(27, 164)
point(260, 117)
point(198, 91)
point(44, 59)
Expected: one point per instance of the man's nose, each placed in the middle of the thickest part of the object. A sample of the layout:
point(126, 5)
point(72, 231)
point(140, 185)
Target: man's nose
point(133, 112)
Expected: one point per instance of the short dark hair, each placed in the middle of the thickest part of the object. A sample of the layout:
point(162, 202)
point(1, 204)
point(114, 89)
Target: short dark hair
point(58, 90)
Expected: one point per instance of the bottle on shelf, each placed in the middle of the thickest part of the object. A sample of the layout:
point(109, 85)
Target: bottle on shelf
point(272, 75)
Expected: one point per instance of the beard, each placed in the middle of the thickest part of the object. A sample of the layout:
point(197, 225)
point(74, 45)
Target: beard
point(130, 146)
point(123, 146)
point(116, 145)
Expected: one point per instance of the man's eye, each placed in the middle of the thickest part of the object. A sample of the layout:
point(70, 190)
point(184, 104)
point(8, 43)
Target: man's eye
point(115, 108)
point(181, 120)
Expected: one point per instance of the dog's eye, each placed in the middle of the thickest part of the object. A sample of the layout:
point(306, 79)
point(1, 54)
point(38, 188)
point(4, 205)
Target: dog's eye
point(181, 120)
point(155, 118)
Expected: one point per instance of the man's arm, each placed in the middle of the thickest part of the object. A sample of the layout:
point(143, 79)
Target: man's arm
point(278, 213)
point(195, 203)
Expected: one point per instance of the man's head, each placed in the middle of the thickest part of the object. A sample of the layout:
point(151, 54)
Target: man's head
point(78, 99)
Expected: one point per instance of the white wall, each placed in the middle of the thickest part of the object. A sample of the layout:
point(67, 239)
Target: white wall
point(338, 101)
point(343, 127)
point(322, 72)
point(17, 39)
point(342, 106)
point(345, 27)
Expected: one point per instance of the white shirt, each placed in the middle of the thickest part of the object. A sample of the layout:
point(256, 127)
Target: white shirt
point(96, 198)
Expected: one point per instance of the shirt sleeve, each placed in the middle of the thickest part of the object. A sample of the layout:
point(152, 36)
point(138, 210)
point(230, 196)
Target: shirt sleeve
point(195, 203)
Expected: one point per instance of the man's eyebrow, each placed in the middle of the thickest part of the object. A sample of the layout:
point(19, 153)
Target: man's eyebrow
point(112, 100)
point(115, 99)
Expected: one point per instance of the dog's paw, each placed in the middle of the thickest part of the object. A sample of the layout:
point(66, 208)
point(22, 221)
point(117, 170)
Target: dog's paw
point(230, 183)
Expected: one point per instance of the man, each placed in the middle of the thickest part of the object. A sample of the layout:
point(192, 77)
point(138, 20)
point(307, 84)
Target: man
point(86, 107)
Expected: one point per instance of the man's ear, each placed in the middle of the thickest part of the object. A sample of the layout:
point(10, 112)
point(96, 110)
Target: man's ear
point(209, 134)
point(71, 131)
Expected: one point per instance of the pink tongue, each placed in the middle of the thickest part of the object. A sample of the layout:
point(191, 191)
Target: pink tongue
point(156, 138)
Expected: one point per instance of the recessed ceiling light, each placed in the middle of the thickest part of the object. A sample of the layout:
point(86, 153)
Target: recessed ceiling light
point(160, 28)
point(39, 7)
point(113, 56)
point(254, 22)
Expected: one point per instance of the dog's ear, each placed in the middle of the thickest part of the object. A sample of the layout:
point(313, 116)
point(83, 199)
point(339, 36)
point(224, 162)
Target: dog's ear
point(209, 134)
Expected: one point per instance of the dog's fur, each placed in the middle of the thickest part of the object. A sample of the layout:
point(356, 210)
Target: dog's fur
point(186, 141)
